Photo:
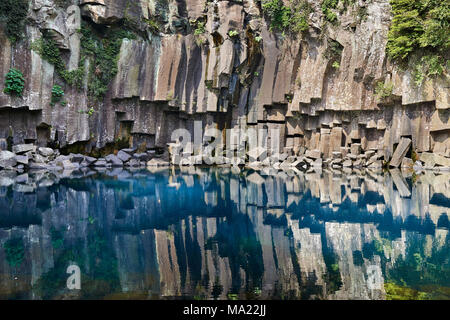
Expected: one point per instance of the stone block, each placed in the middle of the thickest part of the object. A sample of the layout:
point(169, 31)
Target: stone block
point(400, 152)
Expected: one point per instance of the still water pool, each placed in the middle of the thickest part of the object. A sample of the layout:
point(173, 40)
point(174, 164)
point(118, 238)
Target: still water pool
point(221, 233)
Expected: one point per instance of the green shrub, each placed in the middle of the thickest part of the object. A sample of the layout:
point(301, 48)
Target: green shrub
point(278, 13)
point(327, 9)
point(13, 13)
point(333, 50)
point(428, 66)
point(301, 10)
point(333, 53)
point(233, 33)
point(48, 49)
point(57, 94)
point(420, 27)
point(200, 29)
point(14, 82)
point(90, 112)
point(102, 50)
point(153, 25)
point(294, 17)
point(104, 54)
point(384, 90)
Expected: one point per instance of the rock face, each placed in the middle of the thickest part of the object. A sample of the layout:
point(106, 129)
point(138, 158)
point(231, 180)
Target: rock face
point(184, 66)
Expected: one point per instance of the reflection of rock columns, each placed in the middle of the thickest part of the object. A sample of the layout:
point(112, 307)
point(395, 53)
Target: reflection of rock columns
point(309, 255)
point(264, 235)
point(137, 262)
point(345, 239)
point(168, 264)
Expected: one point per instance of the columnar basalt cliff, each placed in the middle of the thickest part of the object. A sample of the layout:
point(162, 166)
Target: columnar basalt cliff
point(330, 89)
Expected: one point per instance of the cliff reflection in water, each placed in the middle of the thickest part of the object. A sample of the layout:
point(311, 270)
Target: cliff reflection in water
point(220, 233)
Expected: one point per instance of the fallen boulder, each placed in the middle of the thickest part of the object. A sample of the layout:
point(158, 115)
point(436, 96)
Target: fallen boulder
point(22, 148)
point(155, 162)
point(114, 160)
point(400, 152)
point(7, 159)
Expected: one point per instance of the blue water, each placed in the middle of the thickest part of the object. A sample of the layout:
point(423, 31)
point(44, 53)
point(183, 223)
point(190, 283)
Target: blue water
point(221, 233)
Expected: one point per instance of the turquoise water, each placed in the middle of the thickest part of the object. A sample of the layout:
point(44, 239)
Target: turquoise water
point(223, 233)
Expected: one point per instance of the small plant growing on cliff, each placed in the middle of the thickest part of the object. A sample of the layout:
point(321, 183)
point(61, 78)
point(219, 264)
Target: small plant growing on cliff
point(57, 94)
point(200, 29)
point(14, 12)
point(104, 53)
point(418, 35)
point(233, 33)
point(327, 9)
point(48, 49)
point(258, 39)
point(153, 25)
point(333, 53)
point(428, 66)
point(169, 95)
point(301, 10)
point(294, 17)
point(90, 112)
point(384, 90)
point(14, 82)
point(278, 13)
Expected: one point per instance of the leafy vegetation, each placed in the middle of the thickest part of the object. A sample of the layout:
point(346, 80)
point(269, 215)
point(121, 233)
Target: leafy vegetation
point(153, 25)
point(48, 49)
point(278, 13)
point(233, 33)
point(384, 90)
point(396, 292)
point(332, 274)
point(89, 112)
point(13, 13)
point(57, 94)
point(292, 18)
point(200, 28)
point(104, 54)
point(100, 279)
point(14, 82)
point(102, 51)
point(424, 268)
point(420, 34)
point(333, 53)
point(14, 251)
point(327, 9)
point(300, 15)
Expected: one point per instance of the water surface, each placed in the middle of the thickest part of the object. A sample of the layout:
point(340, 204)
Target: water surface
point(222, 233)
